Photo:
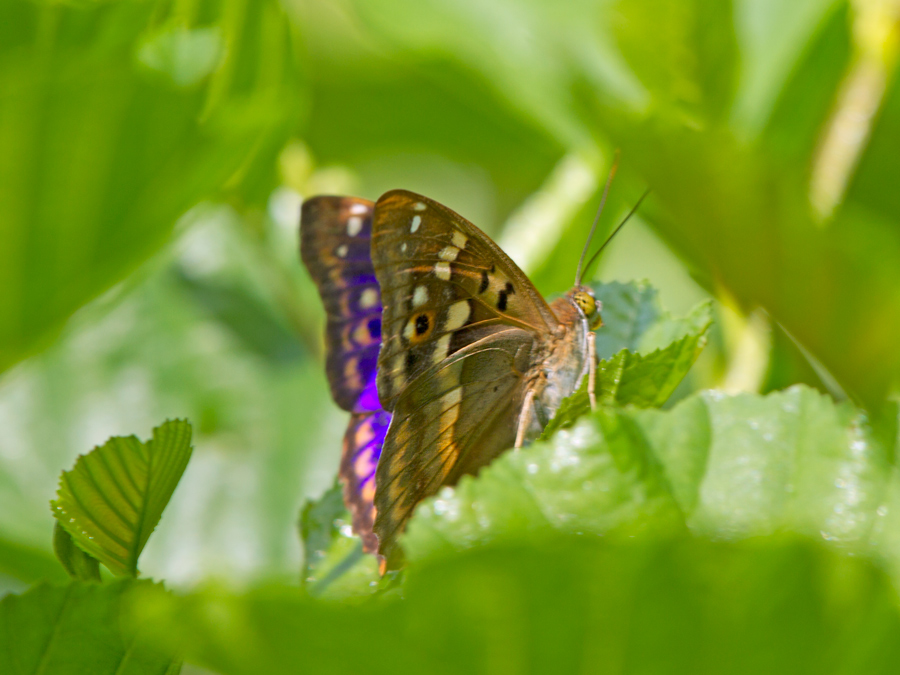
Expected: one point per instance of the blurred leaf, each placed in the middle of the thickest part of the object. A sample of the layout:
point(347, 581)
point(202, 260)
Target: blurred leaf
point(102, 153)
point(113, 498)
point(78, 564)
point(690, 70)
point(565, 605)
point(29, 564)
point(740, 211)
point(872, 185)
point(334, 564)
point(728, 467)
point(75, 629)
point(246, 316)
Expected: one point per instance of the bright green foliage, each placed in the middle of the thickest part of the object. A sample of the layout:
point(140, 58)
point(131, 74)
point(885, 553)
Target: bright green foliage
point(637, 379)
point(334, 564)
point(566, 605)
point(73, 630)
point(111, 501)
point(726, 467)
point(634, 321)
point(116, 118)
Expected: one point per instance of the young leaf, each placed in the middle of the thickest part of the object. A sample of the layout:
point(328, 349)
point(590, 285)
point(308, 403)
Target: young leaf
point(634, 319)
point(75, 629)
point(642, 380)
point(112, 500)
point(334, 564)
point(78, 564)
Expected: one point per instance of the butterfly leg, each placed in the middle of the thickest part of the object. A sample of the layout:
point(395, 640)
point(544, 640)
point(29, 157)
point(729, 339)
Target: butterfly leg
point(592, 368)
point(525, 418)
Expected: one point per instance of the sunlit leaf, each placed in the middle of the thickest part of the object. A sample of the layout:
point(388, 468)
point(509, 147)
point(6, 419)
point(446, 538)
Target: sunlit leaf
point(727, 467)
point(111, 501)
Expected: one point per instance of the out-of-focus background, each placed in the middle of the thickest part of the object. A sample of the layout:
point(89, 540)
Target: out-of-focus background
point(154, 154)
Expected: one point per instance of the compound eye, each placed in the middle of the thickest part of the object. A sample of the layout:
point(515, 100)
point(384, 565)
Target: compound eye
point(587, 304)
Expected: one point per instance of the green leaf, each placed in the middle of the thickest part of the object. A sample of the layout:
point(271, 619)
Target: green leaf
point(78, 564)
point(334, 564)
point(634, 319)
point(567, 605)
point(690, 69)
point(723, 466)
point(75, 629)
point(29, 564)
point(111, 501)
point(636, 379)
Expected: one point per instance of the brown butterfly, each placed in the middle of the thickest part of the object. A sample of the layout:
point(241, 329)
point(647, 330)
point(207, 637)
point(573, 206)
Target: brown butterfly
point(471, 360)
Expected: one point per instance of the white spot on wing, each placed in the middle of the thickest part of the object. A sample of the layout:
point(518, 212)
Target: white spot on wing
point(457, 315)
point(409, 328)
point(354, 225)
point(420, 296)
point(459, 239)
point(359, 209)
point(416, 221)
point(442, 271)
point(403, 247)
point(368, 298)
point(449, 253)
point(419, 206)
point(341, 251)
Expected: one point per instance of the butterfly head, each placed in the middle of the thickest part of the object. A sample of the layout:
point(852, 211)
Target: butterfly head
point(584, 298)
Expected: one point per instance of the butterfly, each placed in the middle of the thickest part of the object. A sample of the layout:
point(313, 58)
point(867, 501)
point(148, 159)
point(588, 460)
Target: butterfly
point(440, 347)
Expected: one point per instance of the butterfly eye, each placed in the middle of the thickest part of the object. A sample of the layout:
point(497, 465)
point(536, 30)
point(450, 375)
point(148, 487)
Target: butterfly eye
point(588, 305)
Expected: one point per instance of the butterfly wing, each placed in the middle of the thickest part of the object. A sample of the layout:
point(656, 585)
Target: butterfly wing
point(335, 238)
point(461, 324)
point(445, 284)
point(449, 422)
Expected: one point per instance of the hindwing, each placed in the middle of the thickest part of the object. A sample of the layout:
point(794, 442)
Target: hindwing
point(460, 327)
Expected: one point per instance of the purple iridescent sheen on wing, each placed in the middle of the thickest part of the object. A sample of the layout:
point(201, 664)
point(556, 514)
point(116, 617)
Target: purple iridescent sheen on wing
point(335, 245)
point(362, 448)
point(335, 241)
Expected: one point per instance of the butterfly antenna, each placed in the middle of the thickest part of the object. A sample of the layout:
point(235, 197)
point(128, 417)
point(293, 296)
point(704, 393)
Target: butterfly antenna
point(587, 244)
point(616, 231)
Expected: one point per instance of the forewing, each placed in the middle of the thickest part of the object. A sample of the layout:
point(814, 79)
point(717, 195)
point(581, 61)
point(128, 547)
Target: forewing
point(449, 421)
point(444, 285)
point(335, 243)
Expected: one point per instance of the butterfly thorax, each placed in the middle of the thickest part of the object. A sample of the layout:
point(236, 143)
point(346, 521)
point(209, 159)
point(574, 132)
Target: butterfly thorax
point(563, 364)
